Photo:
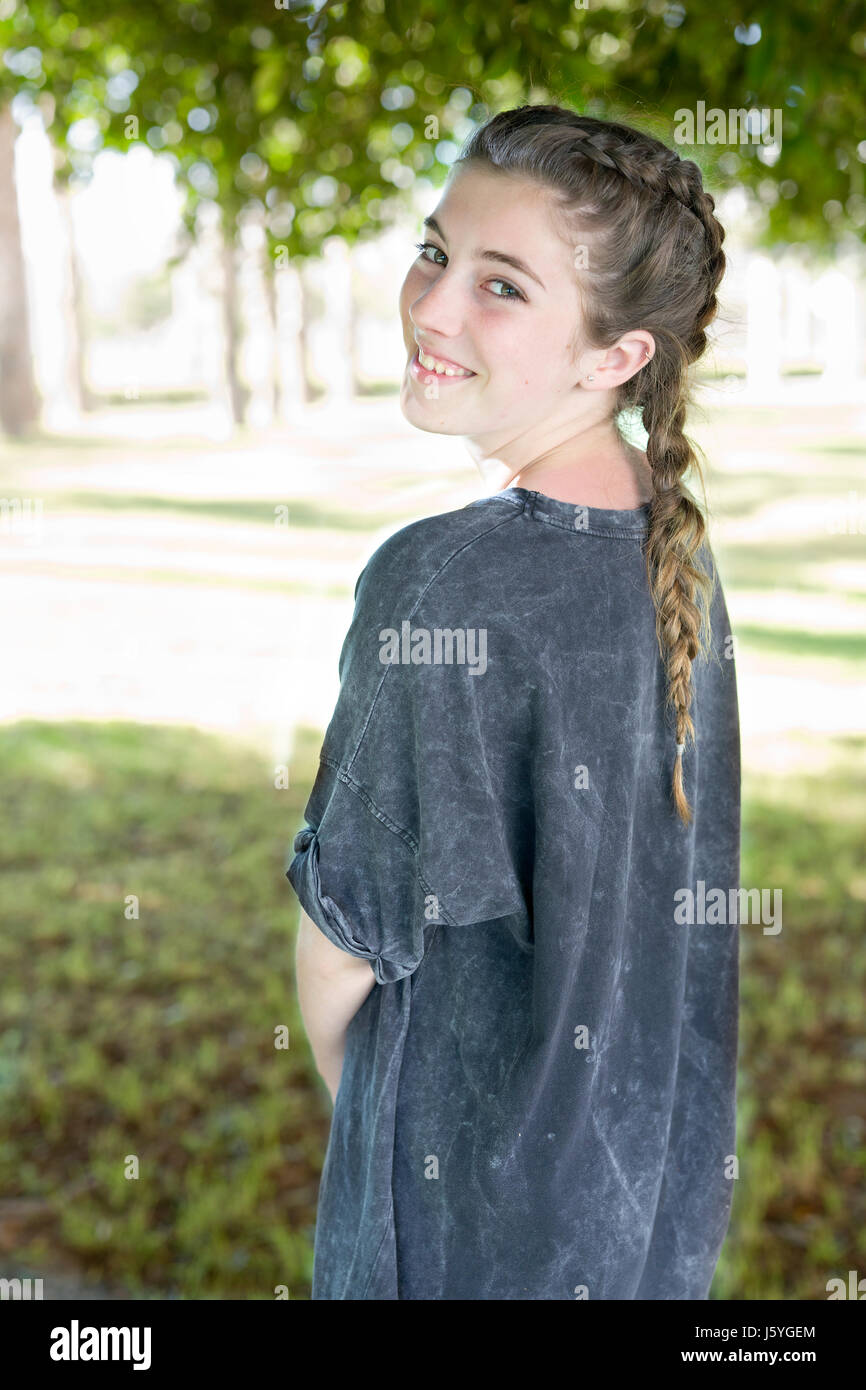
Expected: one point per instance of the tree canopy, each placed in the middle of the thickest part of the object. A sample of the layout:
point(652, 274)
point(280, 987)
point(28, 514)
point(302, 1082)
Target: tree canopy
point(328, 114)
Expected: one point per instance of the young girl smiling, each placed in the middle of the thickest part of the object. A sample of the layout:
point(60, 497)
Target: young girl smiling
point(533, 1061)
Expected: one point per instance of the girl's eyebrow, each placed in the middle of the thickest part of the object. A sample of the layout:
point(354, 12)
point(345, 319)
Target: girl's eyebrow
point(489, 255)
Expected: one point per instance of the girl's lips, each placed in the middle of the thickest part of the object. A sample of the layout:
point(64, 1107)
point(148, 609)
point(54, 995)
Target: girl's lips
point(426, 374)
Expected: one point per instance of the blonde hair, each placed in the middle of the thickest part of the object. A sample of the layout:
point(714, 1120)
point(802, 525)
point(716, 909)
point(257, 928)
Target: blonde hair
point(656, 262)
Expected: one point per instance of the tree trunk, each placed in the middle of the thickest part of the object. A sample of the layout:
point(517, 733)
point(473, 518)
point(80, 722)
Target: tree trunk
point(335, 277)
point(74, 321)
point(353, 326)
point(763, 325)
point(307, 299)
point(237, 392)
point(270, 277)
point(19, 397)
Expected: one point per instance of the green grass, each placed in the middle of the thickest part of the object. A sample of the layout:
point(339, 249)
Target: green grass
point(144, 398)
point(152, 1037)
point(795, 566)
point(203, 579)
point(826, 646)
point(303, 514)
point(799, 1215)
point(739, 495)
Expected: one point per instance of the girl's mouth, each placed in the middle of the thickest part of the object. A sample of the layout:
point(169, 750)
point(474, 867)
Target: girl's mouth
point(449, 377)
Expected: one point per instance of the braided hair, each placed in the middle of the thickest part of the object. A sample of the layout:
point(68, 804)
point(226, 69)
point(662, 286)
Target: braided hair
point(654, 261)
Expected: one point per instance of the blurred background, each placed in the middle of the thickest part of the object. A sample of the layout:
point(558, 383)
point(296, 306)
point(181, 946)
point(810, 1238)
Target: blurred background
point(206, 213)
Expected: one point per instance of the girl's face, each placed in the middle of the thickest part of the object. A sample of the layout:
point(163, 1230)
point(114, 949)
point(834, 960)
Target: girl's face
point(467, 302)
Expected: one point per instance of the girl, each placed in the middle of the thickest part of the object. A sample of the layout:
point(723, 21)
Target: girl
point(530, 1038)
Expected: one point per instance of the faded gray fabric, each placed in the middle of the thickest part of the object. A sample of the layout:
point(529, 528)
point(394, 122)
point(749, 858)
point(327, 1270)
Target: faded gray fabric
point(482, 1145)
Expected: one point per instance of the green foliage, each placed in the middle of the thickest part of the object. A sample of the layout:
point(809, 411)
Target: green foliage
point(325, 117)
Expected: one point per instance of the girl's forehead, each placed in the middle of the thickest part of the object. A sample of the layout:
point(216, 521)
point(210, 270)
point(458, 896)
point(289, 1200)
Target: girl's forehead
point(505, 212)
point(482, 187)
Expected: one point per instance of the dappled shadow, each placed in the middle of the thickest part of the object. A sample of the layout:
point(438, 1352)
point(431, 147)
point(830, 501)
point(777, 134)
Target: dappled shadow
point(781, 565)
point(302, 513)
point(801, 1205)
point(155, 1033)
point(742, 494)
point(841, 646)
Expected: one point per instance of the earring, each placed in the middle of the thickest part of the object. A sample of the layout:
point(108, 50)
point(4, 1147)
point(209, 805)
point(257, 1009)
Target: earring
point(590, 378)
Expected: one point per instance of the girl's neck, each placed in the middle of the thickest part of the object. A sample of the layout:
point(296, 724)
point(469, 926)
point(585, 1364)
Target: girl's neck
point(615, 477)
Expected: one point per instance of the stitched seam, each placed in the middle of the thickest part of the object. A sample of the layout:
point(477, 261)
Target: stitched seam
point(631, 533)
point(411, 844)
point(375, 1264)
point(361, 792)
point(419, 971)
point(498, 497)
point(614, 532)
point(404, 835)
point(422, 594)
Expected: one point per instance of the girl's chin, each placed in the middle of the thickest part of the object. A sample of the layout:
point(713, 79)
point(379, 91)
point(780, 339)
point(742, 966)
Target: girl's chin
point(434, 416)
point(431, 424)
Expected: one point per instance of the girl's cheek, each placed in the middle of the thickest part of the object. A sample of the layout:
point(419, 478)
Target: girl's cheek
point(415, 282)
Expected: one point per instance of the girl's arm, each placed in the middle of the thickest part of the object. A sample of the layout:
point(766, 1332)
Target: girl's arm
point(332, 986)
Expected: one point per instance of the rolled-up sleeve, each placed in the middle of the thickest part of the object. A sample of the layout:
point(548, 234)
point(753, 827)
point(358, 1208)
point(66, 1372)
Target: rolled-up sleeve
point(358, 880)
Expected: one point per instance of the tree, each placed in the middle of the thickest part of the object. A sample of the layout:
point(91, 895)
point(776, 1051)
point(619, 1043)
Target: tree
point(326, 115)
point(430, 64)
point(19, 401)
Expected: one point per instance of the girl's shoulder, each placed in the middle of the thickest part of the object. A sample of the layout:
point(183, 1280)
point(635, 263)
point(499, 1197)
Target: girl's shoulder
point(409, 560)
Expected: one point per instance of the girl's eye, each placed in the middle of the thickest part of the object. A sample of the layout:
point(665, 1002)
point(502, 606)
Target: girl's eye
point(516, 292)
point(422, 246)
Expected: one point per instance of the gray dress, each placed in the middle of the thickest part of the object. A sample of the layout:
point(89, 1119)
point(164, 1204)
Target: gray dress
point(538, 1094)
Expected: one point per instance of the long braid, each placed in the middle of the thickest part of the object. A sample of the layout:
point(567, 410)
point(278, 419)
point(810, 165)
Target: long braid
point(676, 532)
point(657, 264)
point(677, 526)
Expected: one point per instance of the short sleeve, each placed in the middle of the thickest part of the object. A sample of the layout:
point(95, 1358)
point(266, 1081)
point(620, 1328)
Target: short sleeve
point(359, 881)
point(419, 813)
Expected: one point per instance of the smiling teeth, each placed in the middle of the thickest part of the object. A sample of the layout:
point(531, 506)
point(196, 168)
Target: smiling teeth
point(434, 365)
